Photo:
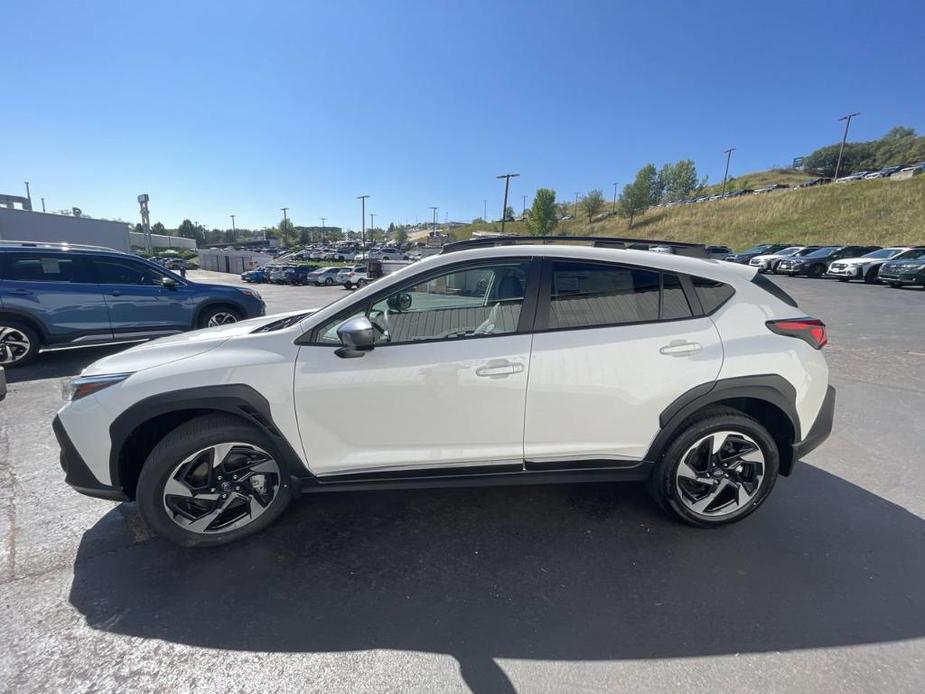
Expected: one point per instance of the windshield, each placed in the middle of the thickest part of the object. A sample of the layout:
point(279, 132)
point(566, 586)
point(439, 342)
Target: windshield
point(805, 251)
point(913, 254)
point(822, 252)
point(883, 253)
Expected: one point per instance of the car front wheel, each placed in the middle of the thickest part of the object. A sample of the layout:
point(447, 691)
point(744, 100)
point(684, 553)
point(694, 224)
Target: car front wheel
point(213, 480)
point(221, 315)
point(719, 469)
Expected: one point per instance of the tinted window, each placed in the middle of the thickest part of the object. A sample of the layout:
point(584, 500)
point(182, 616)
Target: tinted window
point(585, 294)
point(120, 271)
point(822, 252)
point(42, 267)
point(674, 301)
point(712, 294)
point(475, 302)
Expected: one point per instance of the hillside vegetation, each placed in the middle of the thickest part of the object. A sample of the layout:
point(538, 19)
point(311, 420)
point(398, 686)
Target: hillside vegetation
point(881, 212)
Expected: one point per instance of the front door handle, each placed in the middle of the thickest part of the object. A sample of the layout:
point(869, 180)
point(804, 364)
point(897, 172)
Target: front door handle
point(116, 292)
point(680, 348)
point(499, 369)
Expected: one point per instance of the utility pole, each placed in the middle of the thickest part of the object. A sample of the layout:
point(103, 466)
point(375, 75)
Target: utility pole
point(323, 220)
point(234, 231)
point(43, 204)
point(362, 199)
point(576, 205)
point(285, 210)
point(841, 149)
point(434, 232)
point(484, 210)
point(615, 184)
point(28, 195)
point(507, 183)
point(523, 212)
point(372, 224)
point(728, 154)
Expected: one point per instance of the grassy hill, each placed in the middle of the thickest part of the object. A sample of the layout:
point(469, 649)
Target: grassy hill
point(881, 212)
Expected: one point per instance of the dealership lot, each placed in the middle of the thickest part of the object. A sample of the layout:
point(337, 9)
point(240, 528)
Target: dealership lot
point(532, 589)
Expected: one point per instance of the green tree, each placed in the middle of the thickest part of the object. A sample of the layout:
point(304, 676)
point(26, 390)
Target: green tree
point(543, 213)
point(639, 195)
point(158, 228)
point(285, 231)
point(509, 214)
point(677, 181)
point(592, 203)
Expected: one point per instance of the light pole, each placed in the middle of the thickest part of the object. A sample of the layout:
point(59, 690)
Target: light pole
point(285, 225)
point(841, 149)
point(507, 183)
point(43, 204)
point(434, 232)
point(523, 212)
point(372, 224)
point(576, 206)
point(728, 154)
point(234, 231)
point(615, 184)
point(362, 199)
point(145, 219)
point(323, 220)
point(28, 194)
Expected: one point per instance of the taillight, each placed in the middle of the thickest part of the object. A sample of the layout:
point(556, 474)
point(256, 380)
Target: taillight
point(811, 330)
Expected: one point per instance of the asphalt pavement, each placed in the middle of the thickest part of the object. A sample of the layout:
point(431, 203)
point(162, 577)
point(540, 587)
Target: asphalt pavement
point(574, 588)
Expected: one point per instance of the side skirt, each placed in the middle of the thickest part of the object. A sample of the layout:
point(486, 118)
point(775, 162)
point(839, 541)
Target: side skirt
point(461, 477)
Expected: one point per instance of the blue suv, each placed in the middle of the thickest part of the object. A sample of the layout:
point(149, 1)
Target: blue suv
point(61, 295)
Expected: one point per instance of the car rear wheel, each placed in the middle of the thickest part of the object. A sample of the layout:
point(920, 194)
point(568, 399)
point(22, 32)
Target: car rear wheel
point(871, 277)
point(361, 283)
point(213, 480)
point(719, 469)
point(19, 344)
point(328, 281)
point(220, 315)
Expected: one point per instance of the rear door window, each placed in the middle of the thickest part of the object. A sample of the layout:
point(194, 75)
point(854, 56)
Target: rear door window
point(43, 267)
point(588, 294)
point(712, 294)
point(123, 271)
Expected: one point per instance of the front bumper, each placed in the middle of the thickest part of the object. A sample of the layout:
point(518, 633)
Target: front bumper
point(820, 429)
point(851, 272)
point(915, 277)
point(76, 472)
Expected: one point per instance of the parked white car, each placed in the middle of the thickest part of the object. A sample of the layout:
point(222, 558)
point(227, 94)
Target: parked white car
point(867, 267)
point(768, 262)
point(517, 364)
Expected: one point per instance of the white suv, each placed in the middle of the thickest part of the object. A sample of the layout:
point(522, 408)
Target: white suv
point(519, 364)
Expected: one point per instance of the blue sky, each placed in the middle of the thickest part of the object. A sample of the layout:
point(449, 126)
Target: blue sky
point(216, 108)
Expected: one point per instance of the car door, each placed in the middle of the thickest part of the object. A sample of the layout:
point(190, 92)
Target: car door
point(138, 302)
point(614, 346)
point(444, 386)
point(57, 290)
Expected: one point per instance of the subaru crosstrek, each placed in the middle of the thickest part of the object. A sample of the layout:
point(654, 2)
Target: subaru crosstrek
point(58, 295)
point(491, 365)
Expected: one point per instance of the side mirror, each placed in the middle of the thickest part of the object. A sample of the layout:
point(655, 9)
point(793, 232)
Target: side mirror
point(357, 337)
point(169, 283)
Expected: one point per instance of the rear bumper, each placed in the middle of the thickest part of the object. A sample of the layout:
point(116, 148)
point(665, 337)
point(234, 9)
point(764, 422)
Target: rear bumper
point(76, 472)
point(820, 429)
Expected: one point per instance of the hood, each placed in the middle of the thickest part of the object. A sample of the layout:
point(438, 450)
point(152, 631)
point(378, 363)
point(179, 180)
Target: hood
point(173, 348)
point(858, 261)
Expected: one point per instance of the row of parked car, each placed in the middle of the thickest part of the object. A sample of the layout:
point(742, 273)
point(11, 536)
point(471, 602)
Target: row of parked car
point(896, 265)
point(351, 276)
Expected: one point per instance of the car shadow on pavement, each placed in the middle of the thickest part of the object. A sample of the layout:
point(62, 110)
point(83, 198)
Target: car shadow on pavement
point(582, 572)
point(62, 363)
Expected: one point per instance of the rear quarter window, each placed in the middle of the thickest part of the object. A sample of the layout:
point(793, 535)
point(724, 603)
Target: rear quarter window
point(712, 294)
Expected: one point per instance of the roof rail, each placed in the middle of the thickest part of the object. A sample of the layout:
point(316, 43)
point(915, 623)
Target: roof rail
point(57, 245)
point(694, 250)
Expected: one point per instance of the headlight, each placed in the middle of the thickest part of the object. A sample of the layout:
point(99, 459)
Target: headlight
point(249, 292)
point(82, 386)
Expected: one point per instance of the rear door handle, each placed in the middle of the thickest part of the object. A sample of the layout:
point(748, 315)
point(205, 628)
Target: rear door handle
point(498, 370)
point(679, 348)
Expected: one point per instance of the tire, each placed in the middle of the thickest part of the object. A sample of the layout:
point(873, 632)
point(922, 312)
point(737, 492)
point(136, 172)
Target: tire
point(347, 285)
point(328, 281)
point(361, 283)
point(815, 271)
point(19, 344)
point(218, 315)
point(676, 490)
point(870, 277)
point(184, 453)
